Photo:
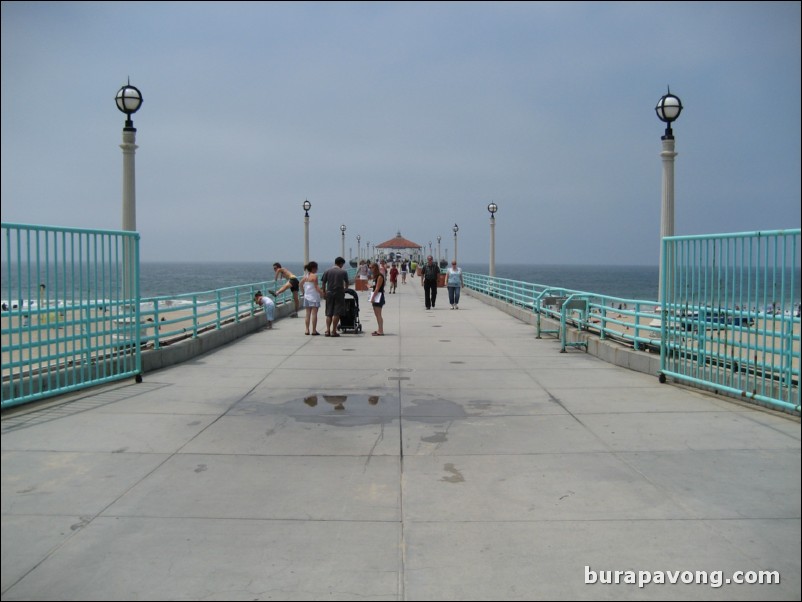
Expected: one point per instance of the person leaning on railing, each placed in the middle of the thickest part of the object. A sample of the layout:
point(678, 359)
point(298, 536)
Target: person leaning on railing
point(268, 305)
point(292, 283)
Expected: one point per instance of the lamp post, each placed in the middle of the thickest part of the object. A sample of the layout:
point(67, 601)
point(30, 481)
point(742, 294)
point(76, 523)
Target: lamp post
point(342, 242)
point(492, 208)
point(307, 206)
point(438, 250)
point(456, 229)
point(358, 249)
point(668, 109)
point(129, 100)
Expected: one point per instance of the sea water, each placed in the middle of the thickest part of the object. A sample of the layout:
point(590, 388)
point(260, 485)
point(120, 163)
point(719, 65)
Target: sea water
point(166, 279)
point(628, 282)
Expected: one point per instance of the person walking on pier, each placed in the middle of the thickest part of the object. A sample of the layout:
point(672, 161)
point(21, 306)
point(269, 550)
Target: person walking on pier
point(334, 281)
point(429, 275)
point(292, 283)
point(454, 283)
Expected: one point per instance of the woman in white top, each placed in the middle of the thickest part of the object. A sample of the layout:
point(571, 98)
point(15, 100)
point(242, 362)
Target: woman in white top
point(312, 295)
point(454, 283)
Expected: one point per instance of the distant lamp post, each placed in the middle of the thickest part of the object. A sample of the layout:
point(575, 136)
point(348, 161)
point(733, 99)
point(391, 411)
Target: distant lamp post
point(668, 109)
point(492, 208)
point(307, 206)
point(430, 247)
point(358, 248)
point(456, 229)
point(129, 100)
point(342, 245)
point(439, 256)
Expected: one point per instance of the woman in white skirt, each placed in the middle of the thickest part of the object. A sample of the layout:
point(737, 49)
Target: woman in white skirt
point(312, 294)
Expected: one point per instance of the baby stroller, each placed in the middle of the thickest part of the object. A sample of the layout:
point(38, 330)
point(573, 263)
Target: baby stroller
point(350, 319)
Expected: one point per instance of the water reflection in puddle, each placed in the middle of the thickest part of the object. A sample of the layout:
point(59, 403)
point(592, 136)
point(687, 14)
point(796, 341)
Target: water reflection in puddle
point(356, 409)
point(338, 401)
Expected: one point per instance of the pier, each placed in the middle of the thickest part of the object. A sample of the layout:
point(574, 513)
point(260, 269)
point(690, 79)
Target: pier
point(458, 457)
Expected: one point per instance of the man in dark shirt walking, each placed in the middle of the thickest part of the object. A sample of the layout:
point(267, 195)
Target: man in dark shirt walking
point(429, 274)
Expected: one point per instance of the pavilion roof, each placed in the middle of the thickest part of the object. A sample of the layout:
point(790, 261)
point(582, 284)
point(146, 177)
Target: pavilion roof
point(399, 242)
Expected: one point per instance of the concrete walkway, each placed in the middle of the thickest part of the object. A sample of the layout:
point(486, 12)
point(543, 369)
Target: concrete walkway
point(457, 457)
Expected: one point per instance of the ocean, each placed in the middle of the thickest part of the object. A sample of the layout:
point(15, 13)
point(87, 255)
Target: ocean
point(164, 279)
point(628, 282)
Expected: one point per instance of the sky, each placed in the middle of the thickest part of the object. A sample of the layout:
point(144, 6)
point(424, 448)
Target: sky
point(402, 117)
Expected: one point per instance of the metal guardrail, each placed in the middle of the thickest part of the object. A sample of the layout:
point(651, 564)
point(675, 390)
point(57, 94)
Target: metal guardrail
point(70, 311)
point(729, 326)
point(169, 319)
point(632, 322)
point(73, 316)
point(731, 314)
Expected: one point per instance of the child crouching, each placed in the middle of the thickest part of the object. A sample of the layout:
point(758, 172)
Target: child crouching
point(268, 306)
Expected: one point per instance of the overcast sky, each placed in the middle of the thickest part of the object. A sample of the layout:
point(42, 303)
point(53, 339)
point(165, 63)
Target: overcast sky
point(405, 117)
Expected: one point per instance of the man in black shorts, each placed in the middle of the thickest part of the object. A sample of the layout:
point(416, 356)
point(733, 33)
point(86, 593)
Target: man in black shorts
point(334, 282)
point(292, 283)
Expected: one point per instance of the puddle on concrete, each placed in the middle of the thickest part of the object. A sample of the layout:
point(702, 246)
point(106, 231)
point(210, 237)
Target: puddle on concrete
point(360, 409)
point(338, 409)
point(456, 475)
point(433, 411)
point(438, 437)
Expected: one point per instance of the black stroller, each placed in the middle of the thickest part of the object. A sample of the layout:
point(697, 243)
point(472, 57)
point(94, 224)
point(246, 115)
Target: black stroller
point(350, 319)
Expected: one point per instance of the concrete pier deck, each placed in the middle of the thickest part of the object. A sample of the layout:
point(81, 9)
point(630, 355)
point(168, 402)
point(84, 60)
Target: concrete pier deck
point(456, 458)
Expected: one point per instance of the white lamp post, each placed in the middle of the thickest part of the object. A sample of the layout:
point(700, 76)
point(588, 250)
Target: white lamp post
point(668, 109)
point(358, 249)
point(342, 245)
point(492, 208)
point(439, 256)
point(456, 229)
point(129, 100)
point(307, 206)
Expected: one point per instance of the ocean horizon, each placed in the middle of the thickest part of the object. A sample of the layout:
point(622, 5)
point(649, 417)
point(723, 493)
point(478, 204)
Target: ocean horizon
point(162, 278)
point(172, 278)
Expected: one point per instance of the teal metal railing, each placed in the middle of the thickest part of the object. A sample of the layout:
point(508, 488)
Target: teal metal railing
point(731, 313)
point(70, 314)
point(730, 319)
point(168, 319)
point(73, 316)
point(631, 321)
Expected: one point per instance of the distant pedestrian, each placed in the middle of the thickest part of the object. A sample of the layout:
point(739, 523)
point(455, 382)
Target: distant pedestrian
point(454, 284)
point(363, 272)
point(268, 305)
point(334, 281)
point(377, 300)
point(404, 271)
point(429, 275)
point(312, 295)
point(292, 283)
point(393, 278)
